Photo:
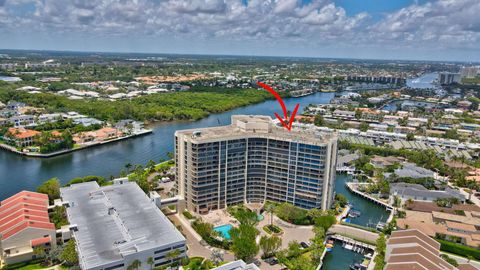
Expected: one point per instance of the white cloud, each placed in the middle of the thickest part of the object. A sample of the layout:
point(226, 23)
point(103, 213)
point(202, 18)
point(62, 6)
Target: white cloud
point(442, 24)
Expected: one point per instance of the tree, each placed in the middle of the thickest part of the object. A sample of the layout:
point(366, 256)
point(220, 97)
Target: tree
point(50, 187)
point(270, 208)
point(134, 265)
point(69, 253)
point(410, 137)
point(216, 257)
point(244, 245)
point(39, 251)
point(170, 155)
point(380, 249)
point(150, 262)
point(294, 249)
point(172, 255)
point(270, 245)
point(325, 221)
point(341, 199)
point(319, 121)
point(363, 126)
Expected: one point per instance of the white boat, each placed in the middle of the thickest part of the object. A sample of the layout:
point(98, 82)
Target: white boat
point(348, 246)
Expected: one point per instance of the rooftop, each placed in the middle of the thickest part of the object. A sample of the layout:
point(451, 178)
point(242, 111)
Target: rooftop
point(114, 221)
point(254, 126)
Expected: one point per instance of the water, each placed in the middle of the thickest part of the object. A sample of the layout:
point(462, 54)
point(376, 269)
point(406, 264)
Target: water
point(9, 79)
point(21, 173)
point(371, 213)
point(423, 82)
point(340, 258)
point(224, 230)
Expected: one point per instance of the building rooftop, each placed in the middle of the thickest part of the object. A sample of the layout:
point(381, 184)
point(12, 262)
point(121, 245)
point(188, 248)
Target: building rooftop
point(419, 191)
point(255, 126)
point(24, 210)
point(114, 221)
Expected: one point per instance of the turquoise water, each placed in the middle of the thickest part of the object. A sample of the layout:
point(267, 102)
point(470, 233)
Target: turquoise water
point(340, 258)
point(224, 230)
point(260, 217)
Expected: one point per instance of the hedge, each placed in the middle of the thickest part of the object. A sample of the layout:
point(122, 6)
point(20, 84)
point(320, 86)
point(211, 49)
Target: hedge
point(459, 249)
point(22, 264)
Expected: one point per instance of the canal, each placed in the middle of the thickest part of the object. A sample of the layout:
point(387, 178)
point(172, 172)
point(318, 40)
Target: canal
point(340, 258)
point(19, 172)
point(371, 213)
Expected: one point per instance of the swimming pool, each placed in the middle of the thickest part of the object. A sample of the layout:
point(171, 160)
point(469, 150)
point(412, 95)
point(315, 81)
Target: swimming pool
point(224, 230)
point(260, 217)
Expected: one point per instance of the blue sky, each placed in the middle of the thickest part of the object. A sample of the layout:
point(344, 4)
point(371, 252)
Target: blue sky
point(378, 29)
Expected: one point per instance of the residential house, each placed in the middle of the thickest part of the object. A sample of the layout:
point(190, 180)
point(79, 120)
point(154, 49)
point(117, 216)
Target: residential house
point(24, 225)
point(22, 120)
point(406, 191)
point(49, 118)
point(21, 137)
point(14, 105)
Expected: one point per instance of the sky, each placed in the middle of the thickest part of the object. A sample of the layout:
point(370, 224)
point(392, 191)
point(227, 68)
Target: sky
point(371, 29)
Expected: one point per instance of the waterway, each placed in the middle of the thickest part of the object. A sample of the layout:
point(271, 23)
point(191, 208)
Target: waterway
point(23, 173)
point(425, 81)
point(371, 213)
point(340, 258)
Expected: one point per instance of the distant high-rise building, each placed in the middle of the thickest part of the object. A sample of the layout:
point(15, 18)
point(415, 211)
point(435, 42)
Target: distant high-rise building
point(252, 161)
point(469, 72)
point(448, 78)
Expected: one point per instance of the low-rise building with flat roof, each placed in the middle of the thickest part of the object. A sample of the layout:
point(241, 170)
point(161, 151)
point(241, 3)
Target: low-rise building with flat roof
point(116, 225)
point(237, 265)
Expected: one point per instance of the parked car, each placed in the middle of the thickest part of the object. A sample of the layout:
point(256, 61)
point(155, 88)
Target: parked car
point(304, 245)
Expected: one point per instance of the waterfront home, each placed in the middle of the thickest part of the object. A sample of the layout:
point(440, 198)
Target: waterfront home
point(87, 121)
point(49, 118)
point(413, 171)
point(84, 137)
point(21, 137)
point(347, 115)
point(23, 120)
point(369, 114)
point(412, 249)
point(406, 191)
point(24, 225)
point(107, 133)
point(129, 125)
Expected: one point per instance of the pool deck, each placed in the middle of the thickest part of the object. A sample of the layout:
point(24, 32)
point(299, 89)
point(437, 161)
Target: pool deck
point(219, 218)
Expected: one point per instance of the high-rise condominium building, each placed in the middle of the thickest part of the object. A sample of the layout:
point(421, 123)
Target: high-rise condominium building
point(252, 161)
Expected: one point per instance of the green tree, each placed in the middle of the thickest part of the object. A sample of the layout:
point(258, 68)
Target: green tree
point(150, 262)
point(325, 221)
point(244, 245)
point(50, 187)
point(269, 245)
point(410, 137)
point(172, 255)
point(363, 126)
point(39, 252)
point(294, 249)
point(319, 121)
point(134, 265)
point(380, 249)
point(69, 254)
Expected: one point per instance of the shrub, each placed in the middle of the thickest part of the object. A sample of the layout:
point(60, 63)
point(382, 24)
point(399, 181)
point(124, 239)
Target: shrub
point(188, 215)
point(459, 249)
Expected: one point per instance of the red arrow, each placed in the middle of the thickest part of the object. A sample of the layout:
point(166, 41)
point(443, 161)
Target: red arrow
point(285, 113)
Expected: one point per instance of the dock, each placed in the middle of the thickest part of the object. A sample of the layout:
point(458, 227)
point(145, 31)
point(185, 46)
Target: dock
point(352, 244)
point(391, 209)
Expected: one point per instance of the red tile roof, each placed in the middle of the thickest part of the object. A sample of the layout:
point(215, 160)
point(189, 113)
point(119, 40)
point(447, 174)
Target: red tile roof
point(41, 241)
point(24, 210)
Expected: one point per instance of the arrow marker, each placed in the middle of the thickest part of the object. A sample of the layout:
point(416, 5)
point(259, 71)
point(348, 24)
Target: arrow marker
point(285, 113)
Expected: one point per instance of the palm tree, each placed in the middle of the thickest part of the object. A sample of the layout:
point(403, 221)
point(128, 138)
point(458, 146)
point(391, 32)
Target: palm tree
point(134, 265)
point(171, 255)
point(128, 166)
point(216, 257)
point(269, 208)
point(150, 261)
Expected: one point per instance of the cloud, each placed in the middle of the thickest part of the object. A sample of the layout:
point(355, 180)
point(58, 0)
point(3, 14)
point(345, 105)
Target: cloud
point(439, 24)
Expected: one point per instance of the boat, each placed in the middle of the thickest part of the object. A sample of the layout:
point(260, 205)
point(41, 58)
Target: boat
point(354, 213)
point(348, 246)
point(357, 266)
point(381, 225)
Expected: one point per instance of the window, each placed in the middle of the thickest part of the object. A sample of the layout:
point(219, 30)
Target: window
point(115, 266)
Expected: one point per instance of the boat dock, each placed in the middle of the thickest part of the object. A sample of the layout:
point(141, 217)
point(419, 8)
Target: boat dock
point(353, 245)
point(391, 209)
